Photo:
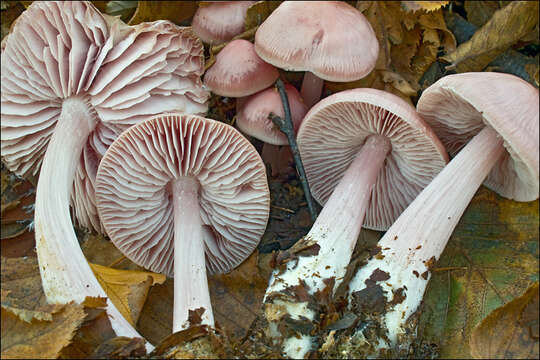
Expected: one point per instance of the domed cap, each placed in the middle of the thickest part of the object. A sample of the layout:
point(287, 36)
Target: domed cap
point(219, 21)
point(239, 71)
point(335, 129)
point(134, 196)
point(252, 114)
point(458, 106)
point(331, 39)
point(61, 50)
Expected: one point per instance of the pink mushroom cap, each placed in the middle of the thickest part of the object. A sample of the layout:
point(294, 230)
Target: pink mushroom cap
point(331, 39)
point(133, 190)
point(252, 114)
point(239, 71)
point(219, 21)
point(335, 129)
point(457, 111)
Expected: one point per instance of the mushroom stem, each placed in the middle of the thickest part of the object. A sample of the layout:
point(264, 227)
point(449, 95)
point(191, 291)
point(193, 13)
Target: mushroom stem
point(335, 231)
point(190, 282)
point(417, 238)
point(65, 273)
point(311, 90)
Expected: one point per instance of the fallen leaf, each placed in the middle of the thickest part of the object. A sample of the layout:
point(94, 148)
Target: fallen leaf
point(504, 29)
point(100, 250)
point(124, 9)
point(532, 70)
point(20, 282)
point(510, 331)
point(423, 5)
point(127, 289)
point(491, 258)
point(479, 12)
point(9, 15)
point(258, 12)
point(120, 347)
point(29, 334)
point(175, 11)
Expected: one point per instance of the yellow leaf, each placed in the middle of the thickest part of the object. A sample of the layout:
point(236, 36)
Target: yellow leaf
point(423, 5)
point(40, 334)
point(504, 29)
point(175, 11)
point(127, 289)
point(258, 12)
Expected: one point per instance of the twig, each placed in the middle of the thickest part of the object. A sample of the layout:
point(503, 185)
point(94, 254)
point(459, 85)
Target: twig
point(287, 128)
point(282, 208)
point(245, 35)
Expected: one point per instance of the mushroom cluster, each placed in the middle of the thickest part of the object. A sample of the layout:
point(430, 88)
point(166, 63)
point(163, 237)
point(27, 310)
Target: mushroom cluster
point(112, 117)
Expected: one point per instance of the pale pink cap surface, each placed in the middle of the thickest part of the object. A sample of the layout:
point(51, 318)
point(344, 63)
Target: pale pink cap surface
point(334, 131)
point(219, 21)
point(133, 190)
point(331, 39)
point(124, 73)
point(252, 114)
point(239, 71)
point(458, 106)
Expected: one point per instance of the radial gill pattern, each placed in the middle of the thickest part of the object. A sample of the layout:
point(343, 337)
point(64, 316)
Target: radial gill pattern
point(134, 200)
point(334, 131)
point(60, 50)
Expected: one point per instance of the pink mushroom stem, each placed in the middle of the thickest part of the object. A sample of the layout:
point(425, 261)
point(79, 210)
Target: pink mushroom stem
point(311, 90)
point(65, 273)
point(418, 237)
point(336, 230)
point(190, 282)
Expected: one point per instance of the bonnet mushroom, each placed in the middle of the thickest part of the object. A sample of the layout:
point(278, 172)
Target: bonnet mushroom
point(329, 40)
point(239, 71)
point(490, 120)
point(219, 21)
point(367, 154)
point(180, 194)
point(72, 79)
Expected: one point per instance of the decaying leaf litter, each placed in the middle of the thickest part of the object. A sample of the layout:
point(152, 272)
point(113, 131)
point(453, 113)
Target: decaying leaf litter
point(491, 258)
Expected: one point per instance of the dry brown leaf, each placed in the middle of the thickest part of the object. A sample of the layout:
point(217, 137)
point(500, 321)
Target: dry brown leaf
point(532, 70)
point(504, 29)
point(423, 5)
point(21, 283)
point(510, 331)
point(120, 347)
point(99, 250)
point(175, 11)
point(258, 12)
point(127, 289)
point(38, 334)
point(479, 12)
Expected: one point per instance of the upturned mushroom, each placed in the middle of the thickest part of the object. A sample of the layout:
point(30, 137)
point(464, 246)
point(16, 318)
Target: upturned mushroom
point(367, 154)
point(72, 80)
point(329, 40)
point(490, 120)
point(239, 71)
point(179, 194)
point(219, 21)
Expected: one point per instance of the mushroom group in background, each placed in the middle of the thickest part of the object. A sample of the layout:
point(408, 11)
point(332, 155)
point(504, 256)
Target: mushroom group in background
point(216, 22)
point(329, 40)
point(491, 121)
point(179, 194)
point(367, 154)
point(72, 80)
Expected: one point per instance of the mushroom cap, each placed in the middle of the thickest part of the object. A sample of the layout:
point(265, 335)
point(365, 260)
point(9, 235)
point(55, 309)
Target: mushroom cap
point(219, 21)
point(60, 50)
point(458, 106)
point(134, 200)
point(239, 71)
point(335, 129)
point(331, 39)
point(252, 114)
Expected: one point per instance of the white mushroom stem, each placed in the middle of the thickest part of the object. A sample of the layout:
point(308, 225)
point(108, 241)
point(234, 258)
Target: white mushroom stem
point(311, 90)
point(190, 282)
point(336, 230)
point(65, 273)
point(418, 237)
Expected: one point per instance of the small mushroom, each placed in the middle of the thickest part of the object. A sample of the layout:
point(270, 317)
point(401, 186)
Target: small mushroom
point(239, 71)
point(179, 194)
point(490, 120)
point(329, 40)
point(367, 154)
point(72, 80)
point(219, 21)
